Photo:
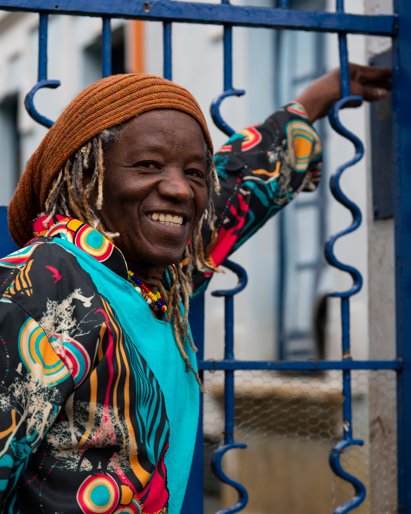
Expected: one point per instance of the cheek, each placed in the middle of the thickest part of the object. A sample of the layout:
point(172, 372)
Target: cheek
point(201, 200)
point(122, 194)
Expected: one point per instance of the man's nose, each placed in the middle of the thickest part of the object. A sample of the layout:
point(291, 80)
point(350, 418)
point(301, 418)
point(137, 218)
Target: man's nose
point(175, 185)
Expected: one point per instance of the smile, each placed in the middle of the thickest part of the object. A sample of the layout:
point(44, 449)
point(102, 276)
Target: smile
point(169, 220)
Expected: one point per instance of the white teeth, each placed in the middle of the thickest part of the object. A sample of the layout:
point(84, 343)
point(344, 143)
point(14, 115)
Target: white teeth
point(166, 219)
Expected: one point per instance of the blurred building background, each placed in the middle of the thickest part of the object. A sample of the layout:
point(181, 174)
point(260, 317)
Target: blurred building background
point(289, 421)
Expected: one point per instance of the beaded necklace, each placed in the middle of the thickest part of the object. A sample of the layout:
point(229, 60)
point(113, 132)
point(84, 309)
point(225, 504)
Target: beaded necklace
point(153, 300)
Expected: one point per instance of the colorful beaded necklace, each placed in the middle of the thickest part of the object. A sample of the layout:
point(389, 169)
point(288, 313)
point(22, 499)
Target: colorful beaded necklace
point(152, 299)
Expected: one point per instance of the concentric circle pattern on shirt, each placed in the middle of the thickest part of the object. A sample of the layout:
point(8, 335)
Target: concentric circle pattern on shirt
point(38, 355)
point(93, 243)
point(98, 494)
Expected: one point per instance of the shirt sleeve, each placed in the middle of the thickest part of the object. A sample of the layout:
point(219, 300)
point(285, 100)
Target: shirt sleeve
point(34, 385)
point(261, 169)
point(50, 328)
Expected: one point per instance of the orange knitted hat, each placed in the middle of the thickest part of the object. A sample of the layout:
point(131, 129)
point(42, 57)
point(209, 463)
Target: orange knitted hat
point(102, 105)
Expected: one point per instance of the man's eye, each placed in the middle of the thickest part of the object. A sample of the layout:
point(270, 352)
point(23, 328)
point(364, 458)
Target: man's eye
point(149, 165)
point(195, 173)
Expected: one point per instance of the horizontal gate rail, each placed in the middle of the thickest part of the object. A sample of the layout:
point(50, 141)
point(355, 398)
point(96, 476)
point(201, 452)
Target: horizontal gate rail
point(232, 364)
point(217, 14)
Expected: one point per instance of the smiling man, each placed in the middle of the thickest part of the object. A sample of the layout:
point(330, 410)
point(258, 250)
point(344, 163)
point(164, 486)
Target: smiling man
point(119, 219)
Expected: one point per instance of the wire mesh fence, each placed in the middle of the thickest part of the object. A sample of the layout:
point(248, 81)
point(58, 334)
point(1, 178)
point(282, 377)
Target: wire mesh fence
point(290, 422)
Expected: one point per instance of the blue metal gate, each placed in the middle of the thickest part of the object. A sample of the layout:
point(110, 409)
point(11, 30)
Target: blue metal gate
point(398, 27)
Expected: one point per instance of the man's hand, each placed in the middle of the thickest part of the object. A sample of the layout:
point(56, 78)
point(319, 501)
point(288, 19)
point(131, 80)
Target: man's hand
point(373, 84)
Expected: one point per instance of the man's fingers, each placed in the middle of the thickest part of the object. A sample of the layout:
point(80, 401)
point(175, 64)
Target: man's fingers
point(370, 74)
point(374, 94)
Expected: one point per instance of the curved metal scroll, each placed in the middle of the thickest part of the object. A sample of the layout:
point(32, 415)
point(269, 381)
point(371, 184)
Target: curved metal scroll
point(229, 396)
point(29, 101)
point(360, 491)
point(215, 110)
point(341, 198)
point(242, 279)
point(335, 464)
point(219, 473)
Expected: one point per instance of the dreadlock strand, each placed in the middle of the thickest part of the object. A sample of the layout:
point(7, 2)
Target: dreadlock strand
point(94, 177)
point(75, 176)
point(99, 203)
point(216, 180)
point(163, 291)
point(86, 154)
point(174, 279)
point(52, 213)
point(171, 302)
point(188, 364)
point(185, 287)
point(64, 203)
point(72, 201)
point(54, 190)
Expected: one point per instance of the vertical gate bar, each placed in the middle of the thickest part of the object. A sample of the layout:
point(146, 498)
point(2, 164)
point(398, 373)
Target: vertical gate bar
point(345, 302)
point(229, 392)
point(228, 57)
point(345, 327)
point(194, 497)
point(42, 64)
point(228, 54)
point(229, 375)
point(281, 287)
point(106, 47)
point(167, 45)
point(343, 50)
point(340, 6)
point(402, 217)
point(345, 72)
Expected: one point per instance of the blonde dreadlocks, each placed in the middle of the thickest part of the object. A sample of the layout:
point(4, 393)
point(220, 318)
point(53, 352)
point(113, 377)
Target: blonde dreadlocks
point(69, 197)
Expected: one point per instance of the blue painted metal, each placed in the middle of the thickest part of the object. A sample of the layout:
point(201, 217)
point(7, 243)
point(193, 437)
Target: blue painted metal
point(215, 110)
point(219, 473)
point(43, 33)
point(167, 50)
point(228, 81)
point(402, 220)
point(229, 393)
point(106, 47)
point(313, 365)
point(193, 501)
point(335, 464)
point(42, 81)
point(348, 440)
point(217, 14)
point(341, 198)
point(29, 101)
point(7, 245)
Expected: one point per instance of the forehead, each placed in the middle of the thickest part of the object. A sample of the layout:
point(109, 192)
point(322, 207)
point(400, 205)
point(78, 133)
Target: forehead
point(163, 125)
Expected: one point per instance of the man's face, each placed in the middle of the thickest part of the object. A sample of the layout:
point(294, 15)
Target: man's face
point(154, 186)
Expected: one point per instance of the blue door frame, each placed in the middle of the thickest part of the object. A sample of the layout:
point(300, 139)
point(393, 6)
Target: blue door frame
point(398, 27)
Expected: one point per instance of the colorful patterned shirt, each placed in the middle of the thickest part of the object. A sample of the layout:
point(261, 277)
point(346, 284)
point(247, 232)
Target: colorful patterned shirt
point(98, 413)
